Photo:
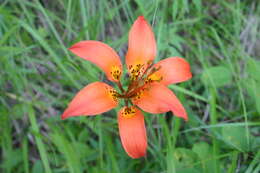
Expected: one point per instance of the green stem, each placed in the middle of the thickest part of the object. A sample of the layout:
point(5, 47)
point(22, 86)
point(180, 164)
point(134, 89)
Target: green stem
point(213, 121)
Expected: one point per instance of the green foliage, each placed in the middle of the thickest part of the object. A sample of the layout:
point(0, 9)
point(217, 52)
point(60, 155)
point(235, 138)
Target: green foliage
point(217, 76)
point(252, 83)
point(236, 137)
point(39, 76)
point(205, 153)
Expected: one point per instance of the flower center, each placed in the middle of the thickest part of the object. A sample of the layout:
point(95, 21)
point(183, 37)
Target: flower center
point(128, 112)
point(141, 76)
point(138, 94)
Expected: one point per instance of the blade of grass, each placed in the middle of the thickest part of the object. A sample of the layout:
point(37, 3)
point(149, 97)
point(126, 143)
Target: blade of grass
point(254, 162)
point(233, 165)
point(44, 44)
point(66, 148)
point(25, 155)
point(39, 142)
point(213, 121)
point(53, 29)
point(84, 14)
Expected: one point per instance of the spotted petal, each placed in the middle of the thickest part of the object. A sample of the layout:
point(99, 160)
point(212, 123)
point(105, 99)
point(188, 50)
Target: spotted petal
point(94, 99)
point(141, 46)
point(132, 131)
point(100, 54)
point(157, 98)
point(172, 70)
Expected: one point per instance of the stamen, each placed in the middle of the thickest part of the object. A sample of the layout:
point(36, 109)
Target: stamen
point(153, 70)
point(153, 76)
point(136, 70)
point(129, 112)
point(115, 72)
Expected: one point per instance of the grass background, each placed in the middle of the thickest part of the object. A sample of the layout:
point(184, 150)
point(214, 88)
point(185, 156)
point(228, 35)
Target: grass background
point(38, 78)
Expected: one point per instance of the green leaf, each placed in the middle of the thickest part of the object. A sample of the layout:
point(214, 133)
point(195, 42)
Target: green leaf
point(235, 137)
point(37, 167)
point(252, 83)
point(217, 76)
point(12, 158)
point(253, 69)
point(252, 87)
point(204, 151)
point(185, 159)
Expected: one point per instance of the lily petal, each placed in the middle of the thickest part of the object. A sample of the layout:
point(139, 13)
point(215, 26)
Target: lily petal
point(95, 98)
point(141, 45)
point(172, 70)
point(157, 98)
point(132, 131)
point(100, 54)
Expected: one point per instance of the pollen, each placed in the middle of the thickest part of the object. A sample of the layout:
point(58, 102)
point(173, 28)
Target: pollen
point(113, 93)
point(116, 72)
point(129, 112)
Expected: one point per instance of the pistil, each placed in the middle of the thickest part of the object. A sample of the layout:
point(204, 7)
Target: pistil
point(140, 78)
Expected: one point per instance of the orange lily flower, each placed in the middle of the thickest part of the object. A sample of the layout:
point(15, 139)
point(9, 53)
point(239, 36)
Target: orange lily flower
point(147, 89)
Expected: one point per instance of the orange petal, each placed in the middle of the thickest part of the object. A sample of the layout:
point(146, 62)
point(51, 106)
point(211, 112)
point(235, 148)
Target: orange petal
point(141, 45)
point(157, 98)
point(132, 131)
point(100, 54)
point(172, 70)
point(95, 98)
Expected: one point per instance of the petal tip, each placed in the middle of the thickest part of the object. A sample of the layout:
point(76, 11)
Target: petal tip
point(73, 46)
point(141, 18)
point(64, 115)
point(190, 76)
point(181, 114)
point(185, 118)
point(137, 156)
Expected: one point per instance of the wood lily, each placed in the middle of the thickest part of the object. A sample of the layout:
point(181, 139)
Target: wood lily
point(147, 88)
